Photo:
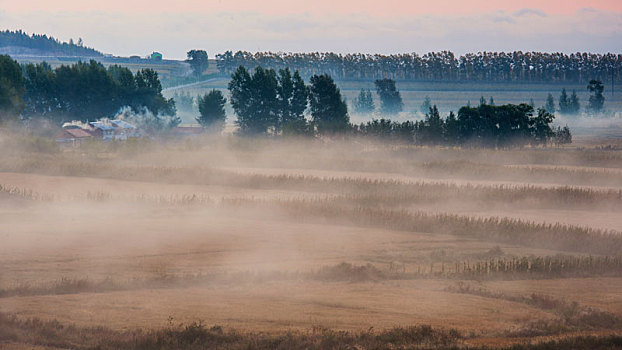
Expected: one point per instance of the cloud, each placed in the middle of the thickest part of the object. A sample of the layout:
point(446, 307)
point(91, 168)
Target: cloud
point(529, 12)
point(174, 34)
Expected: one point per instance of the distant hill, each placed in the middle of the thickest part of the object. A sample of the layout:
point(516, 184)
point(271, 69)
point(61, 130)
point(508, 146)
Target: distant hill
point(17, 43)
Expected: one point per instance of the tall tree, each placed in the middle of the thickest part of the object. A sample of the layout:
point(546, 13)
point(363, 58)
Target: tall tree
point(574, 106)
point(364, 103)
point(198, 61)
point(293, 99)
point(542, 131)
point(427, 104)
point(550, 104)
point(432, 129)
point(328, 110)
point(212, 110)
point(597, 99)
point(149, 90)
point(482, 101)
point(11, 88)
point(390, 98)
point(564, 102)
point(41, 92)
point(254, 100)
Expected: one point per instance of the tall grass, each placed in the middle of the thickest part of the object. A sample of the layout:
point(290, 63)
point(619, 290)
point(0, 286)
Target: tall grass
point(556, 236)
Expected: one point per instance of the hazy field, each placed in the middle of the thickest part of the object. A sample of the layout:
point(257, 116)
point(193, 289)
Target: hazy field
point(266, 237)
point(448, 96)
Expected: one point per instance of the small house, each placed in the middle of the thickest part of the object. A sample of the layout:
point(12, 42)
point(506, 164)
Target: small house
point(123, 129)
point(72, 136)
point(103, 130)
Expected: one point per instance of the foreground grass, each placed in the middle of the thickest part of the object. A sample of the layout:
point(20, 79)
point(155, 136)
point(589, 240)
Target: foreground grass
point(36, 332)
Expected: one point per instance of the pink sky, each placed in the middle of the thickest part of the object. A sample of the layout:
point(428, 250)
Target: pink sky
point(129, 27)
point(281, 7)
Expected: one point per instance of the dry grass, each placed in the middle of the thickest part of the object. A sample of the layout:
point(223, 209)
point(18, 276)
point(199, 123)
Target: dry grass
point(252, 235)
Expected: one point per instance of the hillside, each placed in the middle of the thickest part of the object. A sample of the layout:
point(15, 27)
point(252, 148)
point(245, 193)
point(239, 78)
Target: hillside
point(16, 43)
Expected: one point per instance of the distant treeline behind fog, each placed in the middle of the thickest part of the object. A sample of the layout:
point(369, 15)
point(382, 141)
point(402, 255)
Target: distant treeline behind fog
point(517, 66)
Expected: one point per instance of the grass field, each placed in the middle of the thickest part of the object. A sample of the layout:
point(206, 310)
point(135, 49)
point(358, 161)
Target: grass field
point(240, 243)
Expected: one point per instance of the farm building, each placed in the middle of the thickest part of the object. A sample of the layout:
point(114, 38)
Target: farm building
point(123, 130)
point(103, 130)
point(73, 136)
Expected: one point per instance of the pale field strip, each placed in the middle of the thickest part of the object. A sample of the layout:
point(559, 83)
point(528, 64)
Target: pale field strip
point(280, 306)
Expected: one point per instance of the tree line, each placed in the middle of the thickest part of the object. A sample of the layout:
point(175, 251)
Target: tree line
point(81, 91)
point(47, 44)
point(572, 106)
point(487, 125)
point(514, 66)
point(271, 103)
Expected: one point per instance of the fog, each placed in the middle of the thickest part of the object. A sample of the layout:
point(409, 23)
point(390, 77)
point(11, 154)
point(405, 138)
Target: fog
point(261, 234)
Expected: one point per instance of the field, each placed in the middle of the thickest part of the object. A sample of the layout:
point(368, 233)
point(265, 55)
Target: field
point(242, 243)
point(448, 96)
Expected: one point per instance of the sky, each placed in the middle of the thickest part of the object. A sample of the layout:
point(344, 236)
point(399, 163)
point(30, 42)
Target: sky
point(126, 27)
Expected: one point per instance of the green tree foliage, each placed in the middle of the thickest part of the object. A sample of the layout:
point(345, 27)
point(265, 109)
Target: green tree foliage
point(198, 61)
point(431, 130)
point(502, 126)
point(482, 101)
point(385, 129)
point(550, 104)
point(293, 97)
point(89, 91)
point(390, 98)
point(254, 100)
point(149, 94)
point(541, 127)
point(364, 103)
point(597, 99)
point(562, 136)
point(439, 66)
point(426, 105)
point(328, 110)
point(451, 129)
point(11, 88)
point(564, 102)
point(212, 110)
point(574, 106)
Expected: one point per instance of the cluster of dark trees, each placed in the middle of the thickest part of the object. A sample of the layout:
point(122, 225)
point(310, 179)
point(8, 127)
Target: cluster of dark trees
point(198, 61)
point(43, 43)
point(438, 66)
point(82, 91)
point(487, 125)
point(267, 103)
point(571, 105)
point(390, 99)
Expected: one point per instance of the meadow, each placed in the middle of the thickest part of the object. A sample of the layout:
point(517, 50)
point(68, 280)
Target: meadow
point(226, 242)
